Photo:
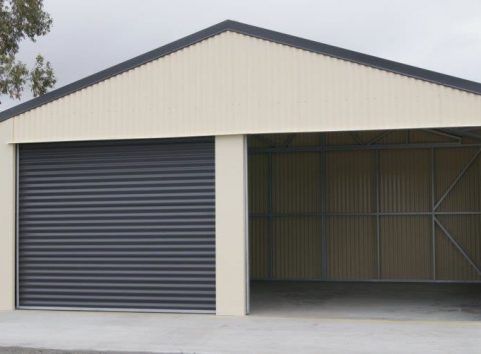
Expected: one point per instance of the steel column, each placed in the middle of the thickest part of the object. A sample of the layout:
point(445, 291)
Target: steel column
point(378, 211)
point(323, 195)
point(433, 224)
point(270, 226)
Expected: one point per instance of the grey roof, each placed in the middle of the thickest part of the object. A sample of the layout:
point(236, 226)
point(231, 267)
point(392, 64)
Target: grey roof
point(277, 37)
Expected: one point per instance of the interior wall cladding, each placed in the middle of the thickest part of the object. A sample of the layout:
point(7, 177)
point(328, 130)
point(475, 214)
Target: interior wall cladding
point(291, 240)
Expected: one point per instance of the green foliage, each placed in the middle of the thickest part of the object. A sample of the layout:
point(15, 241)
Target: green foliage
point(20, 20)
point(41, 76)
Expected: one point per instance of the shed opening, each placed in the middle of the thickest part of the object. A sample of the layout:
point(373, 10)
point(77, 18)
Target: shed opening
point(384, 219)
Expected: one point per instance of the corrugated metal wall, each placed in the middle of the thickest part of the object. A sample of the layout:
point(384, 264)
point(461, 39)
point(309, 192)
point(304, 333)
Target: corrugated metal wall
point(236, 84)
point(364, 214)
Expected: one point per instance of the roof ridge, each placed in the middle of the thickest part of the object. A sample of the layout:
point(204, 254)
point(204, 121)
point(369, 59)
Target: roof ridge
point(252, 31)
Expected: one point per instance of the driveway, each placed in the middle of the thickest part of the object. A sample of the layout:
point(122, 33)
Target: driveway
point(174, 333)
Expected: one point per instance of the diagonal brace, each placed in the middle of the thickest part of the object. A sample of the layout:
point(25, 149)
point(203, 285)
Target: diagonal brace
point(458, 246)
point(356, 138)
point(379, 137)
point(456, 180)
point(441, 132)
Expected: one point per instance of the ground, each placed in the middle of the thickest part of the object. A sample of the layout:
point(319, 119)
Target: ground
point(286, 318)
point(358, 300)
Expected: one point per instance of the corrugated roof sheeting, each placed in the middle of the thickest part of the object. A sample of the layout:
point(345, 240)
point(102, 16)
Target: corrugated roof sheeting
point(324, 224)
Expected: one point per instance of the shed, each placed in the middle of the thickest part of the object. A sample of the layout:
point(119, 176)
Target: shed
point(170, 181)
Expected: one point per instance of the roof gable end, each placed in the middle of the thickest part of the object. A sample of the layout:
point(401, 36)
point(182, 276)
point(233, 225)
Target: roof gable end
point(257, 32)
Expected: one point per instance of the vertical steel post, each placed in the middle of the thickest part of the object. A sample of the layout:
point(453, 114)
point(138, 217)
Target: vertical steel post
point(323, 200)
point(433, 202)
point(270, 230)
point(378, 211)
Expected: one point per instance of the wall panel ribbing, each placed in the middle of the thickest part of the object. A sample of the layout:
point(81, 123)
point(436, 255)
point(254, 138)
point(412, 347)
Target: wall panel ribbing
point(406, 248)
point(351, 243)
point(405, 180)
point(235, 84)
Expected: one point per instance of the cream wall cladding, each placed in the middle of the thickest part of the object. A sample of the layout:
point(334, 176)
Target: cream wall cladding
point(7, 218)
point(233, 83)
point(231, 225)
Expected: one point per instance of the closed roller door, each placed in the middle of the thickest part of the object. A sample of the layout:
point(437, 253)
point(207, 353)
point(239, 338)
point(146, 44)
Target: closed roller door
point(117, 225)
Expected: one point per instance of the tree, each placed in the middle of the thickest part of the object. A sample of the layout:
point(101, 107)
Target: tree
point(19, 20)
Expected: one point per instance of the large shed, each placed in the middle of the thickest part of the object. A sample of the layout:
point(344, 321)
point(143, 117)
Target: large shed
point(170, 181)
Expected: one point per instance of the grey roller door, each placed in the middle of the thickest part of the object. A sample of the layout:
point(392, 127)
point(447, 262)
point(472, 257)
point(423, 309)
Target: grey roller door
point(117, 225)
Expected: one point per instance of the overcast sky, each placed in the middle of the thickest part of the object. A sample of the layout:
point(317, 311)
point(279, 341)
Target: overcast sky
point(90, 35)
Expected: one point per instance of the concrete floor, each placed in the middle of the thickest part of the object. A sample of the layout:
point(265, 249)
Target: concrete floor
point(313, 318)
point(168, 333)
point(392, 301)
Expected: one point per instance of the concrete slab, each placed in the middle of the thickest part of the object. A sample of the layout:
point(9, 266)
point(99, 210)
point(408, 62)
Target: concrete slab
point(286, 317)
point(171, 333)
point(346, 300)
point(23, 350)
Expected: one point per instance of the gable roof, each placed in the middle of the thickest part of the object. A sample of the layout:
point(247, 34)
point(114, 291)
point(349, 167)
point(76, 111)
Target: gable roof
point(257, 32)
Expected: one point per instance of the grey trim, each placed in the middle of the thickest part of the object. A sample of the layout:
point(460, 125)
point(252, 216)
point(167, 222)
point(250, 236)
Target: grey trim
point(113, 309)
point(17, 209)
point(127, 226)
point(272, 36)
point(246, 226)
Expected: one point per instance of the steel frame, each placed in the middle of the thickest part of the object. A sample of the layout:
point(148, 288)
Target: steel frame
point(322, 149)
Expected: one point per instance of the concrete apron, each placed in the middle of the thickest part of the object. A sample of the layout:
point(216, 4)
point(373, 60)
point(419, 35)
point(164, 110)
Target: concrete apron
point(81, 332)
point(20, 350)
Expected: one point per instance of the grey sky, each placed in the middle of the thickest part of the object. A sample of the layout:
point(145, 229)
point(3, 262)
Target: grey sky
point(90, 35)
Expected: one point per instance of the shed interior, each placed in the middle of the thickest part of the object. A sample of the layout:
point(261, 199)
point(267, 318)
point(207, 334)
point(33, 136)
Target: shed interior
point(389, 217)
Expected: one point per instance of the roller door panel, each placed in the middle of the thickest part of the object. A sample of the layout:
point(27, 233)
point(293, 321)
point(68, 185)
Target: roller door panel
point(117, 225)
